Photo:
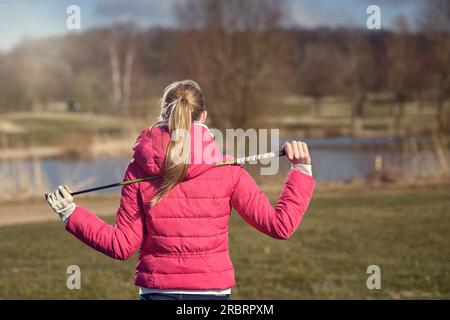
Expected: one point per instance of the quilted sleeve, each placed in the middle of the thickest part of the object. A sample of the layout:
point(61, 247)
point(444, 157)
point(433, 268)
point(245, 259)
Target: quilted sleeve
point(279, 222)
point(125, 237)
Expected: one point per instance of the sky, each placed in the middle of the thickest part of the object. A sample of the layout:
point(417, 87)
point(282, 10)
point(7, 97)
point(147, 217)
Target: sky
point(22, 19)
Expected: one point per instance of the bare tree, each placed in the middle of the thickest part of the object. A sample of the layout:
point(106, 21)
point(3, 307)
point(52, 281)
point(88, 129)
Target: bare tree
point(228, 46)
point(358, 74)
point(436, 25)
point(122, 48)
point(404, 67)
point(318, 72)
point(115, 77)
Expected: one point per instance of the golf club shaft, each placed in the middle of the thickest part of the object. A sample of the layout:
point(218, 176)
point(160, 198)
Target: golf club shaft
point(112, 185)
point(242, 160)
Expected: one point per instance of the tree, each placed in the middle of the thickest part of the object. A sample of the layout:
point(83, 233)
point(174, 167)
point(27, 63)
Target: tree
point(318, 72)
point(404, 72)
point(358, 74)
point(122, 48)
point(228, 47)
point(436, 25)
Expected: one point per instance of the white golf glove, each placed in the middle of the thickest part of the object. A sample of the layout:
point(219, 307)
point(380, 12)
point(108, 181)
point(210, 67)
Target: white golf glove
point(61, 202)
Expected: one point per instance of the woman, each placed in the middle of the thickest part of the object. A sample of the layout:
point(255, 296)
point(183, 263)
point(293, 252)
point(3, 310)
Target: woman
point(180, 221)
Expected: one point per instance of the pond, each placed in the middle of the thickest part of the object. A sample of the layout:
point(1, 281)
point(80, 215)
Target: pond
point(334, 159)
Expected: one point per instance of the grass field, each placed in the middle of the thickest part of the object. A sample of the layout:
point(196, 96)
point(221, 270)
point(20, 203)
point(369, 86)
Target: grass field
point(57, 129)
point(406, 232)
point(31, 135)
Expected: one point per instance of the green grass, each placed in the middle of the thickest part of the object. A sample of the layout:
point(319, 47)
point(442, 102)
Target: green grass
point(405, 232)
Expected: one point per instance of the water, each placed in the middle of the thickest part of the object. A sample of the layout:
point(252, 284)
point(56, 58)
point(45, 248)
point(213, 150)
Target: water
point(78, 174)
point(345, 158)
point(84, 173)
point(334, 159)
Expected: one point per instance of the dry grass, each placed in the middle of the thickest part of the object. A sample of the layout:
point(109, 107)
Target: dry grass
point(68, 134)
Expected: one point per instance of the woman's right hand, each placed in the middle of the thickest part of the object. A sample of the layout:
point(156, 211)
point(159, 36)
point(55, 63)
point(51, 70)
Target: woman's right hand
point(297, 152)
point(61, 201)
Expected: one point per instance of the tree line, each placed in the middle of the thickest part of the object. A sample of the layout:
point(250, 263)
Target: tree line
point(243, 57)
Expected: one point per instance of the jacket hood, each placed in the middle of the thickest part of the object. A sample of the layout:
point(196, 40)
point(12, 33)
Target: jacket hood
point(150, 148)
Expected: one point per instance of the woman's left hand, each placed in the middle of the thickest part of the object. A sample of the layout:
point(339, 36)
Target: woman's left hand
point(61, 201)
point(297, 153)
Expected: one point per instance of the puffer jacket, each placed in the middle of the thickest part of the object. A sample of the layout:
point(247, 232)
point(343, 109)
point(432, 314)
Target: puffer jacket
point(183, 240)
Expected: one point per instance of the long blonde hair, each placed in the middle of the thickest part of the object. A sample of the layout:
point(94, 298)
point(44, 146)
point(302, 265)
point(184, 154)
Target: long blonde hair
point(182, 103)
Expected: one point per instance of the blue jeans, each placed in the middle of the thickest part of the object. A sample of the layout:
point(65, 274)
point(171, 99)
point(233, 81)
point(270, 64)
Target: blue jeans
point(167, 296)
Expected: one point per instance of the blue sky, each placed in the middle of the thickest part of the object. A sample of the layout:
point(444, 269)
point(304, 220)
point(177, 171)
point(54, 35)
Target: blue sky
point(22, 19)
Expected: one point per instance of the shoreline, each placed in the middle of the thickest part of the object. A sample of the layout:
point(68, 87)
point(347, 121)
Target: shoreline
point(123, 147)
point(110, 149)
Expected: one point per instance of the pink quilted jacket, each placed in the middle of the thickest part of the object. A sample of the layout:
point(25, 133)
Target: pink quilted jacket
point(183, 240)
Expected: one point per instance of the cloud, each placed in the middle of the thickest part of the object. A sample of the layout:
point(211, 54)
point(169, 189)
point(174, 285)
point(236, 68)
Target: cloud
point(399, 2)
point(144, 12)
point(313, 14)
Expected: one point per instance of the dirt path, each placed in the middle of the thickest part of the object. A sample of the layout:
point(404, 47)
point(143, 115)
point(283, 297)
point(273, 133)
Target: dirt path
point(29, 211)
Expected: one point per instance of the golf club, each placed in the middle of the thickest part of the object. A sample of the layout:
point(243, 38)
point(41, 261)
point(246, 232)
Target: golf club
point(242, 160)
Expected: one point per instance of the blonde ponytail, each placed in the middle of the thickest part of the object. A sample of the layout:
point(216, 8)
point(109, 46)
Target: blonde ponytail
point(182, 103)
